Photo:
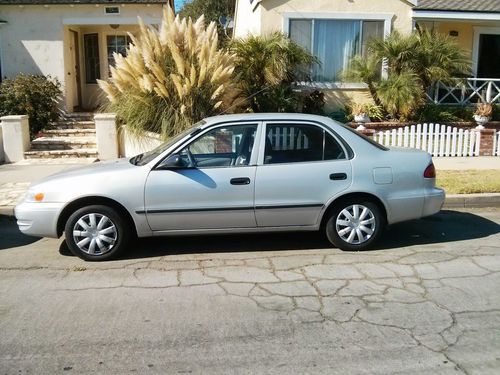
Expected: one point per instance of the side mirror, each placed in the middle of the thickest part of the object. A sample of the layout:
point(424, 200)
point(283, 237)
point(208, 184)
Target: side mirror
point(172, 162)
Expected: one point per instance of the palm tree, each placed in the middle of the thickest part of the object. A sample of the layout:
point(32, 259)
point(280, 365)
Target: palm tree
point(439, 58)
point(365, 70)
point(414, 62)
point(265, 63)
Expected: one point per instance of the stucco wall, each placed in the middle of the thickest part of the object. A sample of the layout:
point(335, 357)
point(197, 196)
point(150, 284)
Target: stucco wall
point(247, 19)
point(272, 10)
point(268, 15)
point(34, 40)
point(465, 38)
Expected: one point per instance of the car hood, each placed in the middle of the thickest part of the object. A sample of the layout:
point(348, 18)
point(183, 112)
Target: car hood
point(91, 169)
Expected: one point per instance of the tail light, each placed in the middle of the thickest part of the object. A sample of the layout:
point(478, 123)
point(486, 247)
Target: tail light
point(430, 171)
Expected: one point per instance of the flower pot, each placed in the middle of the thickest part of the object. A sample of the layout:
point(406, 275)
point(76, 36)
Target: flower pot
point(481, 121)
point(361, 120)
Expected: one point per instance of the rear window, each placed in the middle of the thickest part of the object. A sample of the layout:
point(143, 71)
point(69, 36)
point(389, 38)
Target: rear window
point(368, 139)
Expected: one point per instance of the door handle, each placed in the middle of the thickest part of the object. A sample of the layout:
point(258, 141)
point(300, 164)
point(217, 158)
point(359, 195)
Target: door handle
point(240, 181)
point(338, 176)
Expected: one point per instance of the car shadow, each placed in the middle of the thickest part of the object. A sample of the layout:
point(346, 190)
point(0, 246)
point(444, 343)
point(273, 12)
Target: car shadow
point(447, 226)
point(11, 236)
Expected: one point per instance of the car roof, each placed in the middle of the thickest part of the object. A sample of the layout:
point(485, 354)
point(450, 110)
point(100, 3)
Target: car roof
point(267, 117)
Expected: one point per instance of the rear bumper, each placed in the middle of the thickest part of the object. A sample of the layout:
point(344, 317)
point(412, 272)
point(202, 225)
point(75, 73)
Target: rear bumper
point(38, 219)
point(433, 202)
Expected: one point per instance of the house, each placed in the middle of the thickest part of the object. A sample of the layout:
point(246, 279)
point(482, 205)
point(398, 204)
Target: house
point(73, 41)
point(336, 30)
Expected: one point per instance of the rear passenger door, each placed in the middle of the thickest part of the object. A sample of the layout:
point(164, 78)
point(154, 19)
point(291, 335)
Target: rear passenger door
point(300, 167)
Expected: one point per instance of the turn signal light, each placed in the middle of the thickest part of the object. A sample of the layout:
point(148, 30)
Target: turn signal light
point(430, 171)
point(38, 197)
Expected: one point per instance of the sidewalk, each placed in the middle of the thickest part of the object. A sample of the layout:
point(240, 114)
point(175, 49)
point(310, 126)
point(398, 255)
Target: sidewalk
point(16, 178)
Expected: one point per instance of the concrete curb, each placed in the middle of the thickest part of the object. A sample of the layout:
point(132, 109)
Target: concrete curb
point(452, 201)
point(472, 200)
point(7, 210)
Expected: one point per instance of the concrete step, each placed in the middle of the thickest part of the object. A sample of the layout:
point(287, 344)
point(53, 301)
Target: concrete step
point(63, 154)
point(63, 124)
point(78, 116)
point(69, 132)
point(62, 143)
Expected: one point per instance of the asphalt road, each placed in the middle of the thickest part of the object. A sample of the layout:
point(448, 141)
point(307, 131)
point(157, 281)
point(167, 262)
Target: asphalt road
point(426, 301)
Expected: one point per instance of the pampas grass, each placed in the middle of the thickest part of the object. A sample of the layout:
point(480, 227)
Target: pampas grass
point(171, 77)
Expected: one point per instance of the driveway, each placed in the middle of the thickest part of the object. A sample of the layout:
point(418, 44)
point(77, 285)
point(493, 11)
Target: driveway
point(427, 301)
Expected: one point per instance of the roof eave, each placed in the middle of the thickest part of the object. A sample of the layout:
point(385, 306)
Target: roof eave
point(455, 15)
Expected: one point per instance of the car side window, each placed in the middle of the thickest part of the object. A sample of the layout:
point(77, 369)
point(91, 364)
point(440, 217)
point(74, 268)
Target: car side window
point(229, 146)
point(296, 143)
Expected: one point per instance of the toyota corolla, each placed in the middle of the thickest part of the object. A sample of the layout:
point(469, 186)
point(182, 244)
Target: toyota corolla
point(237, 173)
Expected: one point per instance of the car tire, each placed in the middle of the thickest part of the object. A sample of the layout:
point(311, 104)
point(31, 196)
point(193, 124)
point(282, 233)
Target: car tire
point(96, 233)
point(354, 224)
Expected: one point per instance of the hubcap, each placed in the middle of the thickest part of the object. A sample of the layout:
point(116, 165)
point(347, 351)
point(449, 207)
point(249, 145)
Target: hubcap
point(355, 224)
point(95, 234)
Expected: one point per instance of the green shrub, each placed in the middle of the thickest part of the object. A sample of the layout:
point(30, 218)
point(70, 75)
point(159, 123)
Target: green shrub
point(314, 103)
point(33, 95)
point(439, 113)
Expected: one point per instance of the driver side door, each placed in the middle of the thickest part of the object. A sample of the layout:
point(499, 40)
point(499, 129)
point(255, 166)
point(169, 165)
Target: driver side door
point(215, 189)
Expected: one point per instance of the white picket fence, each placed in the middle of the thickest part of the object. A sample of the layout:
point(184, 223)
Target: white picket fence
point(436, 139)
point(496, 144)
point(285, 138)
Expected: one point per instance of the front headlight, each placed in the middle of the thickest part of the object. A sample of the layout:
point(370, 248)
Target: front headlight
point(34, 196)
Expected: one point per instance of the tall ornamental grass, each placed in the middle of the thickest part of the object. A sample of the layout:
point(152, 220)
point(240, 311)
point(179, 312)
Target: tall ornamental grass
point(171, 77)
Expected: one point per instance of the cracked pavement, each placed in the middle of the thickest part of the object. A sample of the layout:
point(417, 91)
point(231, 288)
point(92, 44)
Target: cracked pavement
point(425, 301)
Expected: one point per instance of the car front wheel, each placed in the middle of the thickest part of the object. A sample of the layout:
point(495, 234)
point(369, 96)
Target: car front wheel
point(354, 225)
point(96, 233)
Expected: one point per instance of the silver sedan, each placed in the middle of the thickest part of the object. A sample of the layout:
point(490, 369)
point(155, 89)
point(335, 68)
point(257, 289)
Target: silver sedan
point(237, 173)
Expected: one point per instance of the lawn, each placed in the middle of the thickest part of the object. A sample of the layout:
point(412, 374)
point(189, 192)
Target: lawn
point(469, 181)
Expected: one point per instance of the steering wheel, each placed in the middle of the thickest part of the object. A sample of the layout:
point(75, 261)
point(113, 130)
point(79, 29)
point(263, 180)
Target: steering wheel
point(190, 157)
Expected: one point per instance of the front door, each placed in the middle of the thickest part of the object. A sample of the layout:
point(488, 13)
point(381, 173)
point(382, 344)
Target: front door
point(303, 166)
point(489, 56)
point(215, 190)
point(75, 69)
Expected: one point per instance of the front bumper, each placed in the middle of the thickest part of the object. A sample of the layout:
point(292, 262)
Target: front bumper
point(434, 200)
point(38, 219)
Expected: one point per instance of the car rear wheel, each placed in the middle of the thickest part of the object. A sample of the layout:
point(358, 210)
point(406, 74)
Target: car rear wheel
point(96, 233)
point(354, 225)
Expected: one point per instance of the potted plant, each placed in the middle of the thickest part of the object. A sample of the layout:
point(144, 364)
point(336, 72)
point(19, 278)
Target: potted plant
point(363, 113)
point(482, 114)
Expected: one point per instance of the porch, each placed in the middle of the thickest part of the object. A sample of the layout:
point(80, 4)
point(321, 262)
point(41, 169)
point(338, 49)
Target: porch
point(466, 92)
point(88, 54)
point(479, 34)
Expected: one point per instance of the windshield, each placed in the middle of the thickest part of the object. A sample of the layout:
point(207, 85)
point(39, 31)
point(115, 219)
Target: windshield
point(146, 157)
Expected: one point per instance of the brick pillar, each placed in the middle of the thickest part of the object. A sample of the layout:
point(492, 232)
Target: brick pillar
point(16, 137)
point(487, 139)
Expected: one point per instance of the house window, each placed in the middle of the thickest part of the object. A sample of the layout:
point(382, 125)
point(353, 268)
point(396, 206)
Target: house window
point(92, 64)
point(117, 44)
point(334, 42)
